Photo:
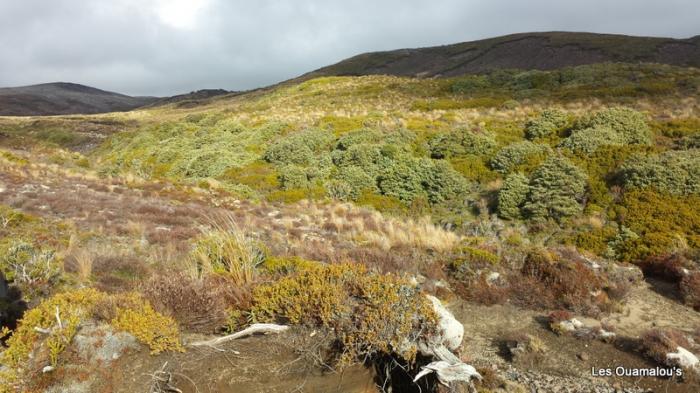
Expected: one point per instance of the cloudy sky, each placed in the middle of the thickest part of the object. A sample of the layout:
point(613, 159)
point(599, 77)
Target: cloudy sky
point(165, 47)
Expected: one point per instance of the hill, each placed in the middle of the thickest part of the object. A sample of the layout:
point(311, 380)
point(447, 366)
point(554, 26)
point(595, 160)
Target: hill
point(528, 51)
point(63, 99)
point(192, 99)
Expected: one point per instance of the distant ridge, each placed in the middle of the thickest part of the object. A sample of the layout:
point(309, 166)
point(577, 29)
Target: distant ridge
point(529, 51)
point(192, 99)
point(62, 98)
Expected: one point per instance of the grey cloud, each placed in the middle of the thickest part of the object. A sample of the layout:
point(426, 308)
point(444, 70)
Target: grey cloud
point(127, 46)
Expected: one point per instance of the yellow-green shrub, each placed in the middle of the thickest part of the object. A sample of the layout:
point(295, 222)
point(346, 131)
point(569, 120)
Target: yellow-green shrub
point(370, 313)
point(135, 315)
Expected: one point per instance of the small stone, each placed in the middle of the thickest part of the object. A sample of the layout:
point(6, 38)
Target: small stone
point(583, 356)
point(47, 369)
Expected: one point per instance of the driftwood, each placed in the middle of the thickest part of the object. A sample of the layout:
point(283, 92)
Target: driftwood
point(449, 368)
point(256, 328)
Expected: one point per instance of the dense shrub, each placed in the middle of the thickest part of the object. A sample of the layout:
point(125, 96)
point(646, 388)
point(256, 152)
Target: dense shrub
point(363, 136)
point(512, 196)
point(556, 190)
point(301, 148)
point(589, 140)
point(125, 312)
point(548, 124)
point(523, 156)
point(461, 142)
point(628, 123)
point(661, 223)
point(371, 314)
point(674, 172)
point(357, 181)
point(408, 178)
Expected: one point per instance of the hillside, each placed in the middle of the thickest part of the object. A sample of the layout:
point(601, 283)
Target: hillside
point(555, 213)
point(63, 99)
point(526, 51)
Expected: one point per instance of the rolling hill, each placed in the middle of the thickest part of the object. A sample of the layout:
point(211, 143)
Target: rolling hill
point(64, 98)
point(527, 51)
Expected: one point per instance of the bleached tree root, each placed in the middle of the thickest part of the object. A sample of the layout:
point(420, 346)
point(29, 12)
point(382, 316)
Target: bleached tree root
point(256, 328)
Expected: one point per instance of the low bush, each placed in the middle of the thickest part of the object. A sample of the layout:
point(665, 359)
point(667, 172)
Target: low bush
point(548, 124)
point(371, 314)
point(657, 343)
point(29, 350)
point(461, 142)
point(660, 224)
point(673, 172)
point(588, 140)
point(520, 156)
point(690, 289)
point(196, 304)
point(628, 123)
point(299, 148)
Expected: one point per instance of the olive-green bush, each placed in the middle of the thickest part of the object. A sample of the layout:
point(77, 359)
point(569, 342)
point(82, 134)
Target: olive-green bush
point(301, 148)
point(520, 155)
point(512, 196)
point(556, 190)
point(408, 178)
point(461, 142)
point(628, 123)
point(547, 124)
point(591, 139)
point(674, 172)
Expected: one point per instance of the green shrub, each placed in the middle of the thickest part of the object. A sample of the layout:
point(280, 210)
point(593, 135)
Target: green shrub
point(408, 178)
point(461, 142)
point(589, 140)
point(556, 190)
point(512, 196)
point(674, 172)
point(549, 123)
point(357, 180)
point(359, 137)
point(300, 148)
point(522, 156)
point(630, 124)
point(293, 176)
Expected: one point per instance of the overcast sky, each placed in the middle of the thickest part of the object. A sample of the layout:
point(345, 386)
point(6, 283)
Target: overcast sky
point(165, 47)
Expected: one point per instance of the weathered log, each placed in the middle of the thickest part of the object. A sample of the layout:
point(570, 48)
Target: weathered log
point(256, 328)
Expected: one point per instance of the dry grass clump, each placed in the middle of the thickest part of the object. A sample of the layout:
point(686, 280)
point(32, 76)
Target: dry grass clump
point(227, 249)
point(367, 227)
point(196, 304)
